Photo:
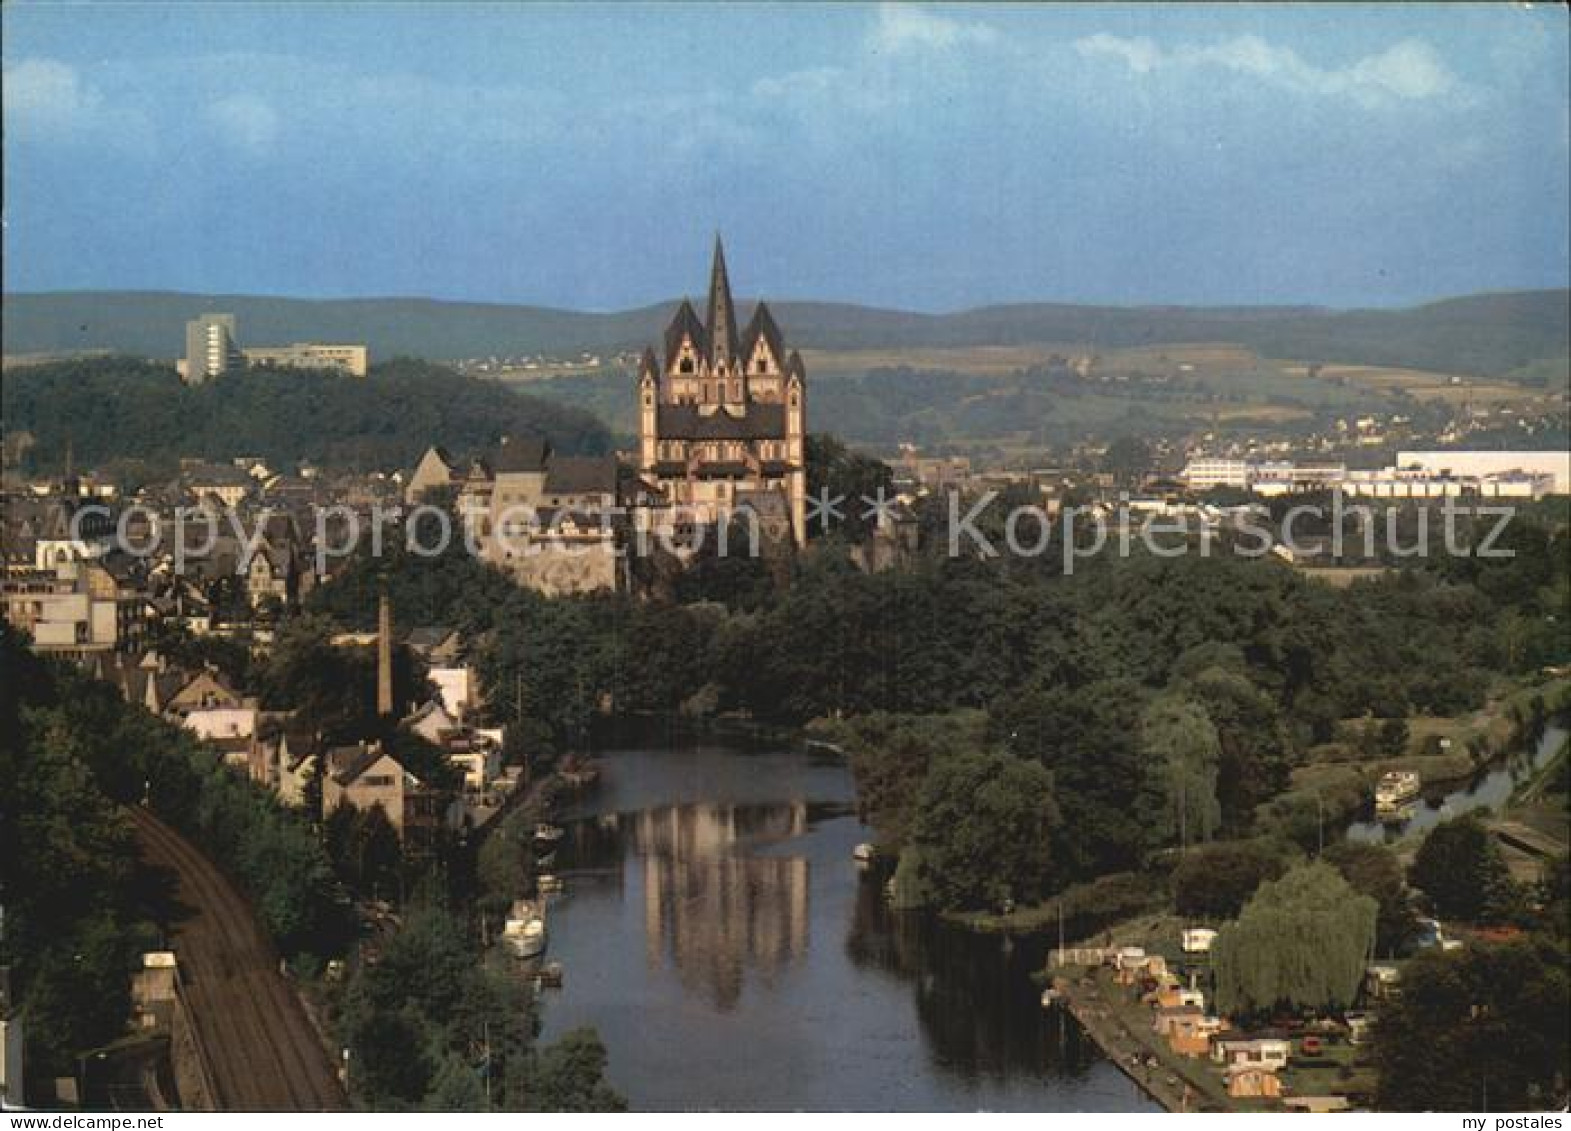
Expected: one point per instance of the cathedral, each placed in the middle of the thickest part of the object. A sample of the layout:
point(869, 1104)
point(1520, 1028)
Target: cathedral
point(722, 416)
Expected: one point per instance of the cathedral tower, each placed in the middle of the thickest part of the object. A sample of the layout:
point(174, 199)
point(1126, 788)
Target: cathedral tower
point(723, 415)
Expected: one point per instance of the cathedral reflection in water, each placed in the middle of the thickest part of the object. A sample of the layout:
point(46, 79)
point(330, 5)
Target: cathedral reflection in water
point(712, 907)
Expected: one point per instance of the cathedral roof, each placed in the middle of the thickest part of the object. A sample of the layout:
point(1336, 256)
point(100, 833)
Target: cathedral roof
point(762, 325)
point(762, 421)
point(684, 323)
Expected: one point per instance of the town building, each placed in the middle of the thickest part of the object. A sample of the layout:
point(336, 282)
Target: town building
point(437, 471)
point(1415, 475)
point(722, 417)
point(1268, 1051)
point(353, 360)
point(78, 607)
point(12, 1079)
point(555, 523)
point(1476, 464)
point(365, 776)
point(1247, 1081)
point(220, 483)
point(1204, 473)
point(211, 350)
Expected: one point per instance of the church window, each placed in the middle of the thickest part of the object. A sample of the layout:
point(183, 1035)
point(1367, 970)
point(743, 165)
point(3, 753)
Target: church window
point(685, 365)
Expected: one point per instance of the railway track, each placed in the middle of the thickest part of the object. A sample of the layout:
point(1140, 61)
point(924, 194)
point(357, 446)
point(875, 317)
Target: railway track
point(264, 1054)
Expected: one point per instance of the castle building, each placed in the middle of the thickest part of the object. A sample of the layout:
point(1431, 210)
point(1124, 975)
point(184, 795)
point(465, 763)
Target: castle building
point(722, 416)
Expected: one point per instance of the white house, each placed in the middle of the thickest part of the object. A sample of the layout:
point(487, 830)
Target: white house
point(211, 723)
point(1255, 1052)
point(455, 687)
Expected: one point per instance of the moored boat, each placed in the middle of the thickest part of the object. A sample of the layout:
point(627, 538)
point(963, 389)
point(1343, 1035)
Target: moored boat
point(524, 932)
point(1395, 789)
point(580, 775)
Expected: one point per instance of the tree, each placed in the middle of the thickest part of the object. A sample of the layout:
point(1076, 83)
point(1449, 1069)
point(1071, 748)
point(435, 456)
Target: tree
point(834, 468)
point(119, 407)
point(569, 1075)
point(413, 1020)
point(1127, 459)
point(1255, 755)
point(1088, 738)
point(1460, 868)
point(984, 826)
point(1481, 1029)
point(1375, 871)
point(890, 757)
point(1393, 738)
point(1183, 751)
point(379, 853)
point(1301, 942)
point(1214, 881)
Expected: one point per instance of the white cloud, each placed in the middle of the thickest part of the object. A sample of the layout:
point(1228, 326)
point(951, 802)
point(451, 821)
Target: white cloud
point(49, 98)
point(246, 121)
point(903, 27)
point(820, 97)
point(1411, 69)
point(829, 92)
point(1139, 54)
point(1408, 71)
point(49, 93)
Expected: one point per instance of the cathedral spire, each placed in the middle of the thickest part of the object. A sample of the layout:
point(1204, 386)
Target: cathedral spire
point(723, 345)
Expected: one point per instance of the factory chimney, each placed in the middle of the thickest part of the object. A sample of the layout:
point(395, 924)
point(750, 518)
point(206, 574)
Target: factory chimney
point(384, 656)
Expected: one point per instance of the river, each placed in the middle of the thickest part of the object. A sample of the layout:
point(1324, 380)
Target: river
point(1488, 790)
point(717, 933)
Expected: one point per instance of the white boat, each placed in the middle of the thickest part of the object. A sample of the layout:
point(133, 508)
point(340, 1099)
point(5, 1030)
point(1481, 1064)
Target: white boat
point(524, 932)
point(550, 884)
point(547, 834)
point(862, 853)
point(1396, 789)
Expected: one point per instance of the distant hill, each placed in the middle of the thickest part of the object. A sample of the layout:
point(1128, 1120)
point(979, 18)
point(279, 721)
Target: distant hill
point(1488, 334)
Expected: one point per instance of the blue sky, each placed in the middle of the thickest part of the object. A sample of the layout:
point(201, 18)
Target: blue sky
point(925, 157)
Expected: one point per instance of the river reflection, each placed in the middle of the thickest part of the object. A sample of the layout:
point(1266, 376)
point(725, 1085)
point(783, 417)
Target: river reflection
point(719, 936)
point(713, 912)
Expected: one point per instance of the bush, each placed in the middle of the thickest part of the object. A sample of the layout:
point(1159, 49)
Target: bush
point(1214, 881)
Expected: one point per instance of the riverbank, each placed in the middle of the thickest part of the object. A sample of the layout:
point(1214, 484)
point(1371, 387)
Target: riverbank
point(1082, 910)
point(1122, 1026)
point(1121, 1021)
point(1124, 1045)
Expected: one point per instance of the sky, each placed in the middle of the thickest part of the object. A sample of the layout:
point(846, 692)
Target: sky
point(929, 158)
